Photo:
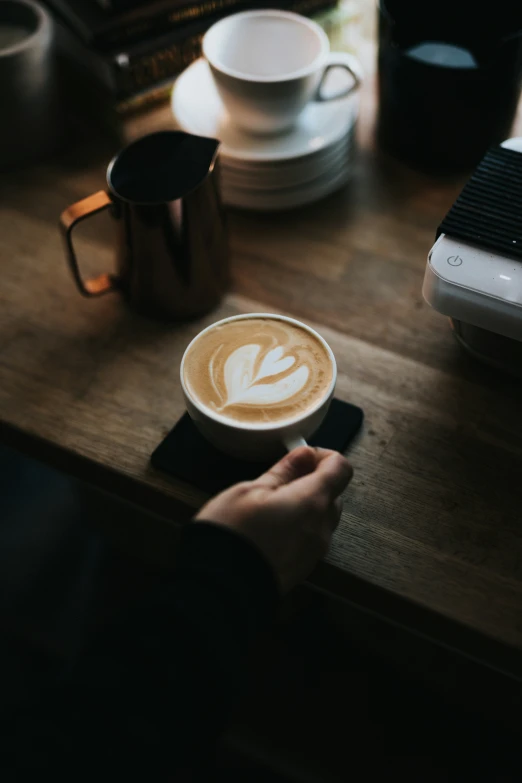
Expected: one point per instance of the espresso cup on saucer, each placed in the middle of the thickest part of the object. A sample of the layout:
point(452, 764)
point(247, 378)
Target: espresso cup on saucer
point(258, 384)
point(267, 65)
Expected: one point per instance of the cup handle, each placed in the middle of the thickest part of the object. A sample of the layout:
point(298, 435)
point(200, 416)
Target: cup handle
point(95, 286)
point(349, 63)
point(294, 443)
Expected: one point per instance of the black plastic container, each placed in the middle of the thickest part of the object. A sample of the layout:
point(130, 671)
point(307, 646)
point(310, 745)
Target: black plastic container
point(449, 79)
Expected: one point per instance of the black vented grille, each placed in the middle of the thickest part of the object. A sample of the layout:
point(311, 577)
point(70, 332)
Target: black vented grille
point(488, 212)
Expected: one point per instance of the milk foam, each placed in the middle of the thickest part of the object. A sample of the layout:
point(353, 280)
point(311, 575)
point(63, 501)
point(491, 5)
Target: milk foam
point(242, 381)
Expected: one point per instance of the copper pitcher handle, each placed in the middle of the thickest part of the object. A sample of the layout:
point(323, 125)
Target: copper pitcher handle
point(95, 286)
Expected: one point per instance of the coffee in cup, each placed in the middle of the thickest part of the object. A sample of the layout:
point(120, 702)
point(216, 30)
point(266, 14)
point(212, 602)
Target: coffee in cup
point(257, 383)
point(267, 65)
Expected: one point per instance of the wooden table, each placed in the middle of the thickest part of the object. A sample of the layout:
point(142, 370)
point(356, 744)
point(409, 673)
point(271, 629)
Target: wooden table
point(431, 534)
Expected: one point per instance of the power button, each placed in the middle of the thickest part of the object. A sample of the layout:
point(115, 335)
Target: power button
point(454, 260)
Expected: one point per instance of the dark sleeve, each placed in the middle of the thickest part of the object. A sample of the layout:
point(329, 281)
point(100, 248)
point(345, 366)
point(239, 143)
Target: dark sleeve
point(152, 693)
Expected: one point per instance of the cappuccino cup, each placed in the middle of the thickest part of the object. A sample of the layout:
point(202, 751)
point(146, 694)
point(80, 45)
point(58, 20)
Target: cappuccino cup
point(267, 65)
point(257, 384)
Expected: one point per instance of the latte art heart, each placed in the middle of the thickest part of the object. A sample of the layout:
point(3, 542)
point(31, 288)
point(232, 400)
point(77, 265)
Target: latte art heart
point(258, 369)
point(243, 385)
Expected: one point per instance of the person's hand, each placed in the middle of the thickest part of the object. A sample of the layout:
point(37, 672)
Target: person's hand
point(290, 512)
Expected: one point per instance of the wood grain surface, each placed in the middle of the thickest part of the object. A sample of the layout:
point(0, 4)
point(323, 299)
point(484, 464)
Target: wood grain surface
point(431, 534)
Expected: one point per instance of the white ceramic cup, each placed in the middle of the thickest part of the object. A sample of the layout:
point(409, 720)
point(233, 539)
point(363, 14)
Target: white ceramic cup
point(267, 65)
point(258, 441)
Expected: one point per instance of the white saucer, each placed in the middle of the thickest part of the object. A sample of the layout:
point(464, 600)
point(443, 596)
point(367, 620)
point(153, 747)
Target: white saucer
point(292, 174)
point(288, 198)
point(198, 109)
point(270, 168)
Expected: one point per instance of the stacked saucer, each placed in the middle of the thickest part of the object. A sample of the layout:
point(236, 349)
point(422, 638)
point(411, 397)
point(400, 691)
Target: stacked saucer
point(273, 172)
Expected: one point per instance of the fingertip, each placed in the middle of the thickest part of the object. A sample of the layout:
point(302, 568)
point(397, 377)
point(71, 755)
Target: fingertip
point(345, 465)
point(336, 473)
point(330, 454)
point(335, 458)
point(303, 459)
point(294, 465)
point(302, 450)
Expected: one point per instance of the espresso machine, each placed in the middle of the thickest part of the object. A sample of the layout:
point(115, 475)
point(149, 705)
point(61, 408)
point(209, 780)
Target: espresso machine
point(474, 269)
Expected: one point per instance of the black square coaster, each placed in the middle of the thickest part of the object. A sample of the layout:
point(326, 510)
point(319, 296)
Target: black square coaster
point(185, 453)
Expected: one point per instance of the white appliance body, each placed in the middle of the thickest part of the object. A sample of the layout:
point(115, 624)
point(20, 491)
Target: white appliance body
point(475, 285)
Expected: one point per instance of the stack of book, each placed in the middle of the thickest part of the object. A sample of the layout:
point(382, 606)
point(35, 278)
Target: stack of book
point(131, 50)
